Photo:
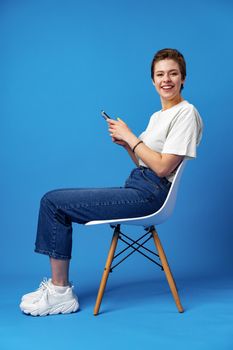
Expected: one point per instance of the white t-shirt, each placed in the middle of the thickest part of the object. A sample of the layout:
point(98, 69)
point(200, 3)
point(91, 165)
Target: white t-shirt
point(177, 130)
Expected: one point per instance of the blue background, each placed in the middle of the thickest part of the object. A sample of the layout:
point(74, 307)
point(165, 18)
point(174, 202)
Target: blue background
point(61, 62)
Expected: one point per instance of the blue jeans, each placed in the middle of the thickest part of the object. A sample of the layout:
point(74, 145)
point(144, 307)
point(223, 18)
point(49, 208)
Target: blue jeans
point(143, 193)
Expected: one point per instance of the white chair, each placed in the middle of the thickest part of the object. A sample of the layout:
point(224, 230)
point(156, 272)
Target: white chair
point(148, 222)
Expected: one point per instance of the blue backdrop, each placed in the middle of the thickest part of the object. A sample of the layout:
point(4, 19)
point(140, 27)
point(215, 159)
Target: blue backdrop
point(61, 62)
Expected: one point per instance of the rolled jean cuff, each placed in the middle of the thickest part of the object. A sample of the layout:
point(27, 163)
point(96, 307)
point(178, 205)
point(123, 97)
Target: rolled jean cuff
point(53, 255)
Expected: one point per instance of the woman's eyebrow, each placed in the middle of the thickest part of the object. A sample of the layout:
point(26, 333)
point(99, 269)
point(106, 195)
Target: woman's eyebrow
point(162, 71)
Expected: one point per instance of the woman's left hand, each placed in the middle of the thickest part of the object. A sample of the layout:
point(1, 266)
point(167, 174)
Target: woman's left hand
point(119, 130)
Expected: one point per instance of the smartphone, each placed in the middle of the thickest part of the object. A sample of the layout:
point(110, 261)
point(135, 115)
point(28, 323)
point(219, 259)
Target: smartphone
point(105, 115)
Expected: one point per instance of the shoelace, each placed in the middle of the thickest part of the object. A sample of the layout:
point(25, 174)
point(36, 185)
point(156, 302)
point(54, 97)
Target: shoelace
point(43, 284)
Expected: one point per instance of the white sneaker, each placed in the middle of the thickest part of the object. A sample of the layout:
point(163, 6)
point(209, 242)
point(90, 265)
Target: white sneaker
point(50, 302)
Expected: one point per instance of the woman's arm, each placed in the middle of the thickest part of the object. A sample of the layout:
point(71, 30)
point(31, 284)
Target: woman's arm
point(161, 164)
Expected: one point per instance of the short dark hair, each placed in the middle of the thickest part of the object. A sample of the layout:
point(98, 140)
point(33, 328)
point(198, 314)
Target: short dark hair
point(172, 54)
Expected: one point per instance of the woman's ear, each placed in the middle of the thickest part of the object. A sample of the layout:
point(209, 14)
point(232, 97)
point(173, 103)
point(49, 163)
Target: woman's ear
point(153, 82)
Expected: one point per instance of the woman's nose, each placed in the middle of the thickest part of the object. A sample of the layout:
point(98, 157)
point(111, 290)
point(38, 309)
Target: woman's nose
point(166, 78)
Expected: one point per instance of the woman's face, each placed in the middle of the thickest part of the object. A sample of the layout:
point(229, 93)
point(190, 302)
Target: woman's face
point(167, 79)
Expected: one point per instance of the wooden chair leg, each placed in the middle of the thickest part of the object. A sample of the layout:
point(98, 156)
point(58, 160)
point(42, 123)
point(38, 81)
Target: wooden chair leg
point(167, 270)
point(106, 271)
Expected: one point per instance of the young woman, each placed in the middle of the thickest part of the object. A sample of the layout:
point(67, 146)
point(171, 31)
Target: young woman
point(172, 134)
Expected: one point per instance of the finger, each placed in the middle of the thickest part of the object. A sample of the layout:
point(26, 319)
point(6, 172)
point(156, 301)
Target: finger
point(111, 122)
point(111, 130)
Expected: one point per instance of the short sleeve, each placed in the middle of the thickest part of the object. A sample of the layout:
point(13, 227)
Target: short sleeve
point(184, 134)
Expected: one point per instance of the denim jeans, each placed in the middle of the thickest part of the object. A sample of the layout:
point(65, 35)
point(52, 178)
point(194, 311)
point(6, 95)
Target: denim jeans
point(143, 193)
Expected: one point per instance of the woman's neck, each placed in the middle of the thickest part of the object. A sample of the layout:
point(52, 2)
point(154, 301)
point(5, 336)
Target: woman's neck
point(170, 103)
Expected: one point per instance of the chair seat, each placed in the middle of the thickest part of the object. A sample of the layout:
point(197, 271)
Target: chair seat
point(146, 221)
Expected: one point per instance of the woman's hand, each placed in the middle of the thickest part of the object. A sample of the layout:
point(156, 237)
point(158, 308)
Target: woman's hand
point(119, 131)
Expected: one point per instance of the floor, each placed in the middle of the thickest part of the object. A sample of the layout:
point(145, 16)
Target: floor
point(136, 314)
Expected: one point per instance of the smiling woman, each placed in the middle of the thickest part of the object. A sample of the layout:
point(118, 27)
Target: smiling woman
point(171, 135)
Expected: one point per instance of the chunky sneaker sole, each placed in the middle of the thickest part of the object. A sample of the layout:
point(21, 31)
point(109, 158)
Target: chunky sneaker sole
point(63, 308)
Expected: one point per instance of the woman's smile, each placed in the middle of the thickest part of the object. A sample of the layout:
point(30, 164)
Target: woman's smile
point(167, 87)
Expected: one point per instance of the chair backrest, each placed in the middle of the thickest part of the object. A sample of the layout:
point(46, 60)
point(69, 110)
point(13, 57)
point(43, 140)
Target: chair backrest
point(168, 206)
point(159, 216)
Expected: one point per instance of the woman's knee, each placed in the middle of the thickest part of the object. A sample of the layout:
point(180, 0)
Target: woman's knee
point(53, 202)
point(49, 198)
